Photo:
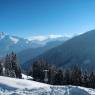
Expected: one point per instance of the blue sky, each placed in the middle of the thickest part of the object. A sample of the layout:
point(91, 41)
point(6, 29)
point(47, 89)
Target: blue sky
point(44, 17)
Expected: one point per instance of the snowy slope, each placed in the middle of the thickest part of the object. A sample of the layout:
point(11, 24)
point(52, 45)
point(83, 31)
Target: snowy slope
point(12, 86)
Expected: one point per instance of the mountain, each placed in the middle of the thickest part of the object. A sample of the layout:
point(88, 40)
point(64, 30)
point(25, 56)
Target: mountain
point(13, 86)
point(10, 43)
point(28, 49)
point(78, 50)
point(31, 53)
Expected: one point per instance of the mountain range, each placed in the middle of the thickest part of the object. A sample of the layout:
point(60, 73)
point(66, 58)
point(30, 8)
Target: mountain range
point(31, 53)
point(78, 50)
point(27, 49)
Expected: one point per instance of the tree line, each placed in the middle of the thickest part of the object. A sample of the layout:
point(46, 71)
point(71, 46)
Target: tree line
point(43, 72)
point(57, 76)
point(10, 67)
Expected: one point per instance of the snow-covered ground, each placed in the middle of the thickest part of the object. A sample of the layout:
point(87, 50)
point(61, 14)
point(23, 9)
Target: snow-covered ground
point(27, 77)
point(12, 86)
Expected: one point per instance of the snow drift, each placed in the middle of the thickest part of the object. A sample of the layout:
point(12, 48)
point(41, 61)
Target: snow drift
point(12, 86)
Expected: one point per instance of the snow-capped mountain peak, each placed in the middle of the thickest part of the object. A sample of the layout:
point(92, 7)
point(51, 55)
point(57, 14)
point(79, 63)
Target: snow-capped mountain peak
point(12, 43)
point(2, 35)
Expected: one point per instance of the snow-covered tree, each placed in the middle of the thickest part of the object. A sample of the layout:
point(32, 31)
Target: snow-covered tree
point(12, 69)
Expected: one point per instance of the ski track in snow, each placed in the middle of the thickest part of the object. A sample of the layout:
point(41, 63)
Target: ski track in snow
point(12, 86)
point(66, 90)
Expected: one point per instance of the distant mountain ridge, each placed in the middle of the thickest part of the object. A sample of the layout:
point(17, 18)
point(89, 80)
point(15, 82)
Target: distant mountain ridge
point(26, 49)
point(31, 53)
point(78, 50)
point(10, 43)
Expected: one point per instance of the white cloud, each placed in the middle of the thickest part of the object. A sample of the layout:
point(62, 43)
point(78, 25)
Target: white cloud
point(44, 37)
point(51, 36)
point(55, 36)
point(39, 38)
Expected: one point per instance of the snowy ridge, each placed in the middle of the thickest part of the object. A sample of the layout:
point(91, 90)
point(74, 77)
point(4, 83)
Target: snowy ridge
point(13, 43)
point(15, 40)
point(12, 86)
point(2, 35)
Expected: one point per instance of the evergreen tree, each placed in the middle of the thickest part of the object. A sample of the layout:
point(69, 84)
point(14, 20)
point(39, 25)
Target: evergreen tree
point(38, 68)
point(76, 75)
point(12, 69)
point(51, 74)
point(67, 78)
point(1, 69)
point(58, 80)
point(15, 67)
point(85, 79)
point(92, 80)
point(57, 77)
point(8, 65)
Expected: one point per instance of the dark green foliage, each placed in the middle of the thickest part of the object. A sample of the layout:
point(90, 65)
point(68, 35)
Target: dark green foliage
point(38, 70)
point(92, 80)
point(58, 79)
point(1, 69)
point(71, 76)
point(85, 78)
point(76, 75)
point(67, 77)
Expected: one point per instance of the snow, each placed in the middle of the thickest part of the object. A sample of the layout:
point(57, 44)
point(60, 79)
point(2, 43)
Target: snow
point(20, 83)
point(2, 35)
point(12, 86)
point(15, 40)
point(27, 77)
point(41, 38)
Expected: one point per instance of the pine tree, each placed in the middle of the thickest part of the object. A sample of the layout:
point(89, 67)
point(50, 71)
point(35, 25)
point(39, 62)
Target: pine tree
point(58, 80)
point(8, 65)
point(85, 79)
point(12, 69)
point(38, 68)
point(51, 74)
point(76, 75)
point(1, 68)
point(92, 80)
point(15, 67)
point(67, 78)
